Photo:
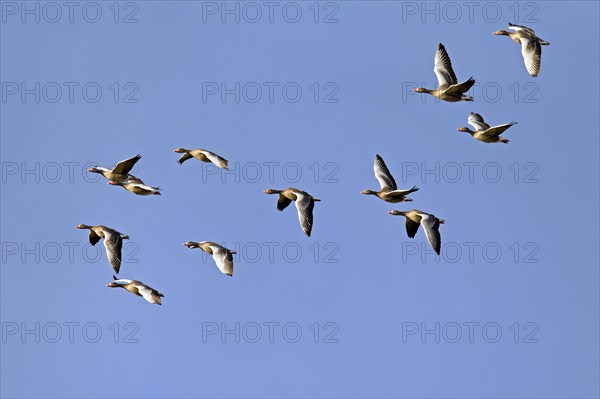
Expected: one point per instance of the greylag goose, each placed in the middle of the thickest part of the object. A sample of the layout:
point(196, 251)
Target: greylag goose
point(203, 155)
point(113, 242)
point(531, 46)
point(389, 191)
point(222, 256)
point(483, 131)
point(305, 204)
point(134, 186)
point(120, 172)
point(137, 288)
point(429, 222)
point(448, 87)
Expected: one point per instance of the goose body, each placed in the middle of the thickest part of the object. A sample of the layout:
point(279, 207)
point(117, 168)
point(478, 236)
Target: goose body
point(430, 224)
point(136, 187)
point(448, 87)
point(120, 172)
point(484, 132)
point(305, 204)
point(202, 155)
point(222, 256)
point(531, 46)
point(113, 242)
point(137, 288)
point(388, 189)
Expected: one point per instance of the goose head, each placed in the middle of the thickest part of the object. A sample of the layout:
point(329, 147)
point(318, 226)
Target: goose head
point(271, 191)
point(501, 32)
point(465, 129)
point(421, 90)
point(83, 226)
point(191, 244)
point(95, 169)
point(368, 192)
point(396, 213)
point(180, 150)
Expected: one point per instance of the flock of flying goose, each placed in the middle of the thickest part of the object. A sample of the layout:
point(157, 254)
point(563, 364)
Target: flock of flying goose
point(448, 90)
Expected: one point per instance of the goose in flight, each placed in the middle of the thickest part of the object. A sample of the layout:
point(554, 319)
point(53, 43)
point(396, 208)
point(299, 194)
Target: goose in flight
point(483, 131)
point(448, 87)
point(137, 288)
point(305, 204)
point(531, 46)
point(120, 172)
point(137, 187)
point(222, 256)
point(429, 222)
point(389, 191)
point(203, 155)
point(113, 242)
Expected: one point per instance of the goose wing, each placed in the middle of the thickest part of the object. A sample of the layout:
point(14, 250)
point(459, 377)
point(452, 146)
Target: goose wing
point(141, 189)
point(402, 193)
point(305, 205)
point(283, 202)
point(125, 166)
point(94, 238)
point(462, 87)
point(443, 67)
point(184, 158)
point(148, 293)
point(531, 49)
point(383, 175)
point(113, 244)
point(521, 28)
point(477, 122)
point(411, 228)
point(431, 226)
point(223, 258)
point(215, 159)
point(498, 130)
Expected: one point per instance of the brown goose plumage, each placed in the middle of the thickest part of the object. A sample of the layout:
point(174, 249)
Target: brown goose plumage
point(389, 190)
point(113, 242)
point(305, 204)
point(137, 288)
point(484, 132)
point(135, 187)
point(448, 87)
point(120, 172)
point(222, 256)
point(531, 46)
point(430, 224)
point(202, 155)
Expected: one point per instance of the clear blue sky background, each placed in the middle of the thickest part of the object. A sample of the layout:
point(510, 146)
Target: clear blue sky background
point(371, 293)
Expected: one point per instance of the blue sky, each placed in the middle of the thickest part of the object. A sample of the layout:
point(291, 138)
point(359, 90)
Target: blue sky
point(532, 228)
